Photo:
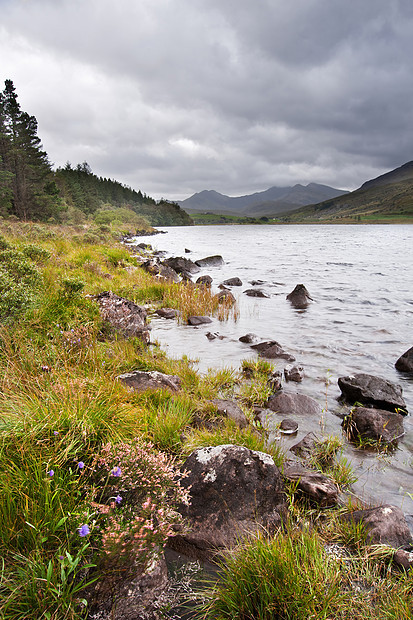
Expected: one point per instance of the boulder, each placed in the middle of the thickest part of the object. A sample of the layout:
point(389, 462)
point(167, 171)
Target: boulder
point(181, 264)
point(294, 373)
point(274, 380)
point(122, 316)
point(234, 491)
point(376, 424)
point(231, 409)
point(272, 349)
point(286, 403)
point(140, 380)
point(248, 338)
point(299, 297)
point(405, 361)
point(167, 313)
point(204, 281)
point(317, 487)
point(288, 426)
point(210, 261)
point(232, 282)
point(404, 559)
point(198, 320)
point(160, 270)
point(256, 292)
point(225, 296)
point(371, 390)
point(385, 525)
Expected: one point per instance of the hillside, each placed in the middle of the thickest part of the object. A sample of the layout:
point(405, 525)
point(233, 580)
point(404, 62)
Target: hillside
point(269, 202)
point(387, 197)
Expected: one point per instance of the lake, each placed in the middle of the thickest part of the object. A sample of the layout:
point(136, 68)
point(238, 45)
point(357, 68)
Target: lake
point(361, 319)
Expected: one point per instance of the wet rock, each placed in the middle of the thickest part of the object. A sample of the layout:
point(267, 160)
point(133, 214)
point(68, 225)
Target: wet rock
point(274, 380)
point(299, 297)
point(231, 410)
point(205, 281)
point(305, 447)
point(186, 277)
point(294, 373)
point(160, 270)
point(248, 338)
point(232, 282)
point(198, 320)
point(256, 282)
point(256, 292)
point(210, 261)
point(371, 390)
point(272, 349)
point(379, 425)
point(214, 336)
point(187, 251)
point(181, 265)
point(234, 491)
point(225, 296)
point(127, 594)
point(318, 488)
point(288, 426)
point(122, 316)
point(167, 313)
point(385, 525)
point(140, 380)
point(405, 361)
point(294, 404)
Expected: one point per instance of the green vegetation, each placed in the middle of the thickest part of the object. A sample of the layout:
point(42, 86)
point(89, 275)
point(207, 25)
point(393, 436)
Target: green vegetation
point(216, 218)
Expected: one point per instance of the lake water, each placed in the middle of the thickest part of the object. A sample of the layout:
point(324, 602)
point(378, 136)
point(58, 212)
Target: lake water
point(361, 319)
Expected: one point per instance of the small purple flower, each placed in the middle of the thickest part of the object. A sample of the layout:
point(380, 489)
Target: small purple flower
point(118, 499)
point(55, 432)
point(81, 465)
point(116, 471)
point(84, 530)
point(50, 473)
point(61, 557)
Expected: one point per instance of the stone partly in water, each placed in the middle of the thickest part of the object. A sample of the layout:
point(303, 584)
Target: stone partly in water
point(299, 297)
point(122, 316)
point(294, 373)
point(210, 261)
point(294, 404)
point(161, 271)
point(385, 525)
point(405, 361)
point(248, 338)
point(234, 491)
point(318, 488)
point(385, 427)
point(225, 296)
point(371, 390)
point(256, 292)
point(204, 281)
point(167, 313)
point(140, 381)
point(232, 282)
point(288, 427)
point(272, 349)
point(198, 320)
point(181, 265)
point(305, 447)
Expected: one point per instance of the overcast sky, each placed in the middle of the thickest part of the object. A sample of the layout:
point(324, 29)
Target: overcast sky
point(176, 96)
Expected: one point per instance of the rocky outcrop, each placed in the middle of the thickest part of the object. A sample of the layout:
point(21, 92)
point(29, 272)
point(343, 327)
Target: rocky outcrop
point(294, 404)
point(299, 297)
point(272, 349)
point(232, 282)
point(231, 410)
point(122, 317)
point(234, 491)
point(385, 525)
point(385, 427)
point(317, 487)
point(181, 264)
point(405, 361)
point(210, 261)
point(140, 381)
point(371, 390)
point(198, 320)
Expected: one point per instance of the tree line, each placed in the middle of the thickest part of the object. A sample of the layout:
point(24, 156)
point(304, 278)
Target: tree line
point(31, 190)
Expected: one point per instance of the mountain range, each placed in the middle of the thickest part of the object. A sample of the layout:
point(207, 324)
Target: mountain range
point(269, 202)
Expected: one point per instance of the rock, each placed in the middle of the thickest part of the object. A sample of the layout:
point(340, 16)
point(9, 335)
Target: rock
point(318, 488)
point(186, 277)
point(294, 373)
point(306, 446)
point(232, 282)
point(404, 559)
point(232, 410)
point(234, 491)
point(288, 426)
point(248, 338)
point(294, 404)
point(214, 336)
point(299, 297)
point(274, 380)
point(225, 296)
point(140, 380)
point(385, 525)
point(256, 282)
point(371, 390)
point(210, 261)
point(256, 292)
point(127, 594)
point(405, 361)
point(198, 320)
point(375, 424)
point(122, 316)
point(160, 270)
point(167, 313)
point(272, 349)
point(181, 265)
point(205, 281)
point(187, 251)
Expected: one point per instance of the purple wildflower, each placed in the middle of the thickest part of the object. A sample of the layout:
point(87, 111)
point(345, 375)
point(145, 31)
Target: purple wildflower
point(81, 465)
point(116, 471)
point(55, 432)
point(84, 530)
point(118, 499)
point(50, 473)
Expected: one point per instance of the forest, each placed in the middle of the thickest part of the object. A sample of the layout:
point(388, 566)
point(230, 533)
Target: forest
point(31, 190)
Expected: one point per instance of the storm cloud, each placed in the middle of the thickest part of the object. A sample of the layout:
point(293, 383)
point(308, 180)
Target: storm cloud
point(175, 96)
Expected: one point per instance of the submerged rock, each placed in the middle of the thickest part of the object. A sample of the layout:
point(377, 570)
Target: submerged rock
point(272, 349)
point(371, 390)
point(405, 361)
point(248, 338)
point(256, 292)
point(299, 297)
